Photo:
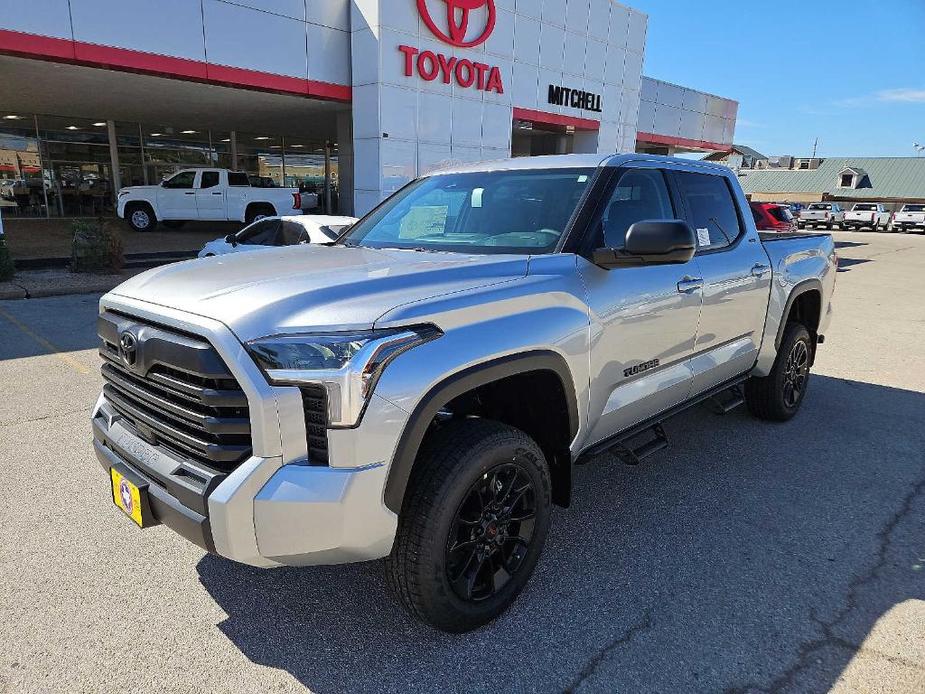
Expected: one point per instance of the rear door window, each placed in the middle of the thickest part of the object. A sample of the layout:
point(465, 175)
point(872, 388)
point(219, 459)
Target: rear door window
point(262, 233)
point(710, 209)
point(292, 233)
point(209, 179)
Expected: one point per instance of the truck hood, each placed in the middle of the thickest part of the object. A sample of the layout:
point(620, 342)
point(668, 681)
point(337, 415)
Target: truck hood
point(304, 288)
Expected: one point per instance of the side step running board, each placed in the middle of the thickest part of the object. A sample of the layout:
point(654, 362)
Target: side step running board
point(634, 456)
point(727, 401)
point(659, 440)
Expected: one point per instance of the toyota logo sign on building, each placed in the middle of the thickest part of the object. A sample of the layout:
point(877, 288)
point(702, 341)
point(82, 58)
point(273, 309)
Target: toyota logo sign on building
point(457, 21)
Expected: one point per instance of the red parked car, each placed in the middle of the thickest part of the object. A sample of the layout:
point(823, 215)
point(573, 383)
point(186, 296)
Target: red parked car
point(770, 216)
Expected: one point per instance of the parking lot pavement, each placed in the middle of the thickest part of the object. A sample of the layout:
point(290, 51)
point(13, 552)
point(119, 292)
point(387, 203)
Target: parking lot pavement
point(747, 557)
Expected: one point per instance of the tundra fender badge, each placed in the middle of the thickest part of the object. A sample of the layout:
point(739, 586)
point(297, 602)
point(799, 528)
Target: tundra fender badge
point(639, 368)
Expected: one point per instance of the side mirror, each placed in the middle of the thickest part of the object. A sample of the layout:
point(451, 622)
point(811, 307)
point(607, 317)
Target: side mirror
point(232, 239)
point(662, 242)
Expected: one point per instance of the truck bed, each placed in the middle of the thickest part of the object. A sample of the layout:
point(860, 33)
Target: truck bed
point(767, 236)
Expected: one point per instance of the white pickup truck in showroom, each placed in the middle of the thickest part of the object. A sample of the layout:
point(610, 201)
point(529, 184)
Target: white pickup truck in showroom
point(207, 195)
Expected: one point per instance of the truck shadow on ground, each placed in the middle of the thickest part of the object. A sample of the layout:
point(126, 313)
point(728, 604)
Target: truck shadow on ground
point(748, 556)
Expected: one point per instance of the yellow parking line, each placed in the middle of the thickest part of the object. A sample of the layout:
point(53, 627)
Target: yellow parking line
point(61, 354)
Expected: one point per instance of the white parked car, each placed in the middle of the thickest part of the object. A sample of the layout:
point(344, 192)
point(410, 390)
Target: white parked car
point(910, 217)
point(272, 232)
point(209, 195)
point(867, 214)
point(822, 214)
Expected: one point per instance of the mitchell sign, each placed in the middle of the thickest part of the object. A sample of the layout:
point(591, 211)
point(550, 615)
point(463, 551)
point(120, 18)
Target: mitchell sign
point(574, 98)
point(467, 73)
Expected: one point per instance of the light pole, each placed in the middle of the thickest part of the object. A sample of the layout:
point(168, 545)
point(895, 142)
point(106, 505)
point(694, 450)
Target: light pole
point(918, 148)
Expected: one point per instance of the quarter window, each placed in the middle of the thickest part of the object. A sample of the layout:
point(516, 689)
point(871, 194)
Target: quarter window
point(640, 195)
point(711, 209)
point(238, 179)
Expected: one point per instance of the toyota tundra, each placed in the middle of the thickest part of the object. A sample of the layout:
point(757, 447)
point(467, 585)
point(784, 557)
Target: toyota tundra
point(422, 389)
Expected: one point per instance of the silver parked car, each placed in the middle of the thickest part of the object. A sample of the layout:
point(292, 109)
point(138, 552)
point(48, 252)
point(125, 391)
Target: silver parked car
point(421, 390)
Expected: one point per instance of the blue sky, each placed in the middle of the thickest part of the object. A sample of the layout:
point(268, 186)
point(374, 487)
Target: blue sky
point(851, 73)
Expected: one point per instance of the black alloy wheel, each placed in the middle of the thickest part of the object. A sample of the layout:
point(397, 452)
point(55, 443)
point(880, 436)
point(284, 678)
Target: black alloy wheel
point(796, 373)
point(491, 532)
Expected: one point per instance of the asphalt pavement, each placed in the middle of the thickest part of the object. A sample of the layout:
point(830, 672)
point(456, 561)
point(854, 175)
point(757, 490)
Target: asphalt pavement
point(747, 557)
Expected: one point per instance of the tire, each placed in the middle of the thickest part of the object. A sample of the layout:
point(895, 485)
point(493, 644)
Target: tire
point(141, 217)
point(255, 212)
point(458, 467)
point(173, 223)
point(778, 396)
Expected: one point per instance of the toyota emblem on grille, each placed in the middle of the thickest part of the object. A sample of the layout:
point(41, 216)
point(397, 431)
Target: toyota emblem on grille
point(128, 348)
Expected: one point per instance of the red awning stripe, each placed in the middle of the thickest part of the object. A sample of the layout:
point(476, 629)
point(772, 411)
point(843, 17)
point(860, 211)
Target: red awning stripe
point(129, 60)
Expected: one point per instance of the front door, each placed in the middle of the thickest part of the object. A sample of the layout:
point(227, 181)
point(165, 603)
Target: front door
point(643, 319)
point(736, 279)
point(176, 198)
point(210, 200)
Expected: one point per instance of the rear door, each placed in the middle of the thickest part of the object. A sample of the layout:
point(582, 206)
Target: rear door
point(644, 319)
point(736, 278)
point(210, 196)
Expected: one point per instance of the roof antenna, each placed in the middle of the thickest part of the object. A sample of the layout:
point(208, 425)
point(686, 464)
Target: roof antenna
point(815, 145)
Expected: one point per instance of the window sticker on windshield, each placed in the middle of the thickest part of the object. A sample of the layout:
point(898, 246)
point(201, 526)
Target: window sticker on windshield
point(582, 179)
point(703, 237)
point(423, 221)
point(477, 197)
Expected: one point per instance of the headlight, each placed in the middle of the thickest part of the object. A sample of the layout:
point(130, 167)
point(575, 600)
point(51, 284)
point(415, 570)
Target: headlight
point(347, 364)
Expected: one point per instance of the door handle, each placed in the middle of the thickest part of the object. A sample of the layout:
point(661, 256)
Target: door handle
point(216, 193)
point(689, 285)
point(759, 269)
point(193, 193)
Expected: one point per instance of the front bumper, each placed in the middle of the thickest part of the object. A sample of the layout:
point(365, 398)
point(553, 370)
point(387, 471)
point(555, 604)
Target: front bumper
point(263, 513)
point(273, 509)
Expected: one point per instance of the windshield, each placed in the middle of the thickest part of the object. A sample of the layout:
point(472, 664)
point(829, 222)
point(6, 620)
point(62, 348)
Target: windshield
point(914, 208)
point(481, 212)
point(820, 206)
point(865, 208)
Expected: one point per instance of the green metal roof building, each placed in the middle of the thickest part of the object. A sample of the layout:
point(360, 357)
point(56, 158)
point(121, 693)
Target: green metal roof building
point(893, 180)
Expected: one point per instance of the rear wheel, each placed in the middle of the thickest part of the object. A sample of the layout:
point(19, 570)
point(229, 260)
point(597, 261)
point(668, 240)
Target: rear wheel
point(257, 212)
point(141, 217)
point(473, 524)
point(778, 396)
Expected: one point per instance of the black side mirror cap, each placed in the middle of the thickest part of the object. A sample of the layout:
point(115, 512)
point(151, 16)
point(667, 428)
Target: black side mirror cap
point(232, 239)
point(658, 242)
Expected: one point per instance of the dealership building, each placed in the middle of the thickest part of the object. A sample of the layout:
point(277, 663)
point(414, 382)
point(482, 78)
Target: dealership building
point(359, 95)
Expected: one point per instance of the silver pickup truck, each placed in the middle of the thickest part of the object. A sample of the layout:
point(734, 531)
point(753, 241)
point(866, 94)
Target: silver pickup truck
point(422, 389)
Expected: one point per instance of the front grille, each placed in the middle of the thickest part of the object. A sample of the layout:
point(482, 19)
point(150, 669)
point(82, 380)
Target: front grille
point(315, 405)
point(178, 394)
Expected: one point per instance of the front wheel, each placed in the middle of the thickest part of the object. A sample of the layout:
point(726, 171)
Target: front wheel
point(141, 218)
point(778, 396)
point(472, 526)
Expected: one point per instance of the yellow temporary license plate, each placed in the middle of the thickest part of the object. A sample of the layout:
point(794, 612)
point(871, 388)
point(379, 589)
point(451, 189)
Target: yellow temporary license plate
point(127, 496)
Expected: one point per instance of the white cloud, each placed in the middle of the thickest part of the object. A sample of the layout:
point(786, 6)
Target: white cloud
point(907, 95)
